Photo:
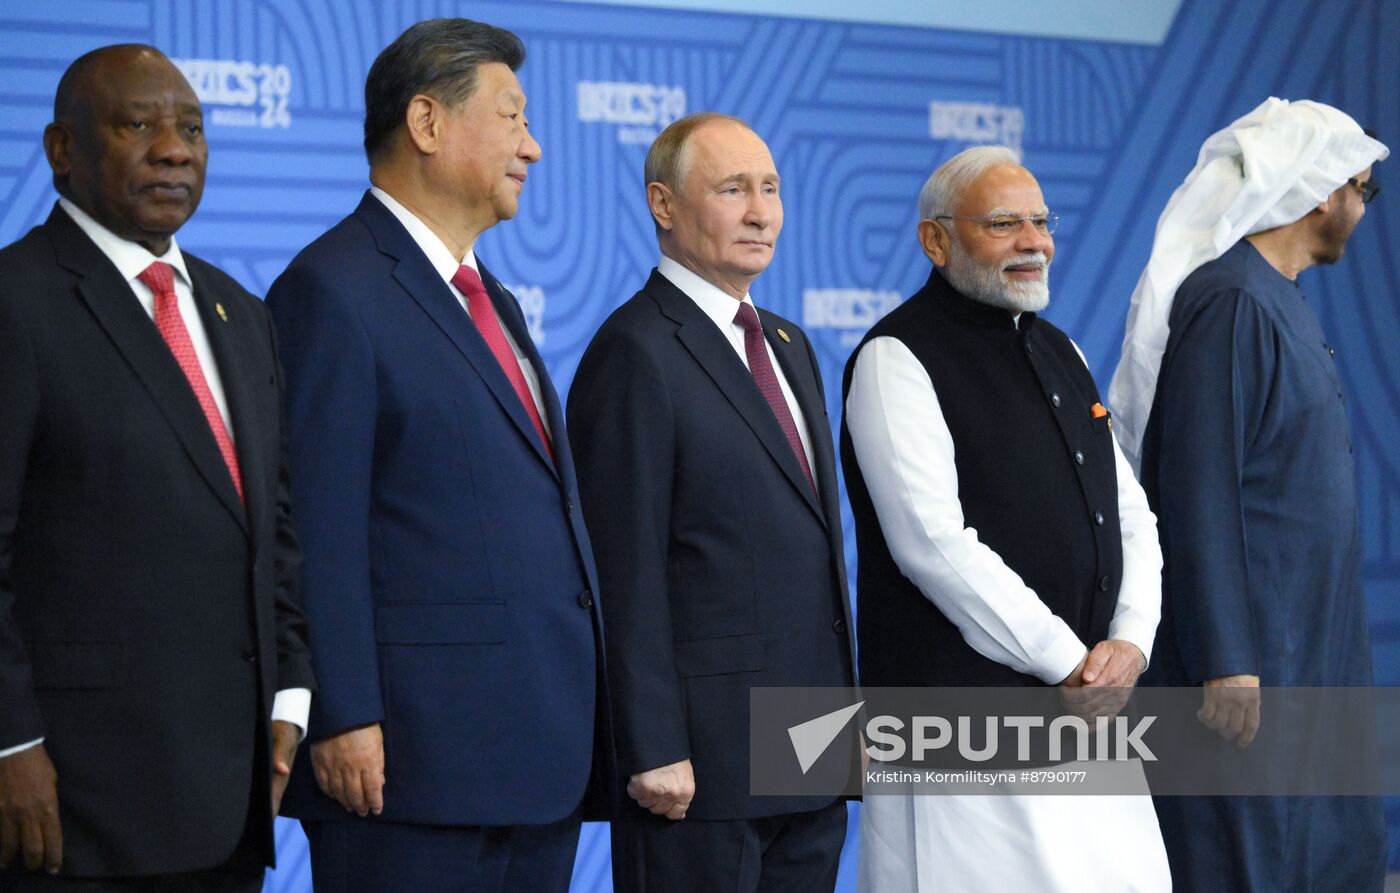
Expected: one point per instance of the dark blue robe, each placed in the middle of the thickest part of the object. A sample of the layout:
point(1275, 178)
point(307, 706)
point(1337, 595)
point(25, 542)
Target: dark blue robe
point(1248, 463)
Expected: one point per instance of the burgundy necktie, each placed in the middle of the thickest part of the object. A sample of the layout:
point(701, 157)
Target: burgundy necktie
point(479, 305)
point(160, 278)
point(767, 380)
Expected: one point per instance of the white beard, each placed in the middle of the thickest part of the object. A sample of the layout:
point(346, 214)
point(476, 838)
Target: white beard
point(986, 283)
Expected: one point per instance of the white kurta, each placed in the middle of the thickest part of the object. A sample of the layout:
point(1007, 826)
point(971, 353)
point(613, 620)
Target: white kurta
point(922, 842)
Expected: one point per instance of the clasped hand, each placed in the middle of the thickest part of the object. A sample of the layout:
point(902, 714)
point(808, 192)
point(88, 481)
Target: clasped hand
point(1104, 679)
point(666, 790)
point(1230, 706)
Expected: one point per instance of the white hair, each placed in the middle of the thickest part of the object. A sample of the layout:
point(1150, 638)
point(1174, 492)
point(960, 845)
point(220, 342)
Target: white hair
point(942, 189)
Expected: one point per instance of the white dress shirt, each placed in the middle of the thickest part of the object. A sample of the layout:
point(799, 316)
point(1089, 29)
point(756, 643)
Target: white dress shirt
point(906, 455)
point(446, 266)
point(293, 704)
point(721, 307)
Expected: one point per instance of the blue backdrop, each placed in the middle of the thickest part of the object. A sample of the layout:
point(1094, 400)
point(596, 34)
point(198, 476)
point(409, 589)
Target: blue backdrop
point(856, 114)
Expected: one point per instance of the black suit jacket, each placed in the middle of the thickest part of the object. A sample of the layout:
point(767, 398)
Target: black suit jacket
point(720, 568)
point(146, 617)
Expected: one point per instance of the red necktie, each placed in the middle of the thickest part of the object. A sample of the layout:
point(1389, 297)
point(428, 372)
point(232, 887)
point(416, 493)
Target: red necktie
point(479, 305)
point(160, 278)
point(767, 381)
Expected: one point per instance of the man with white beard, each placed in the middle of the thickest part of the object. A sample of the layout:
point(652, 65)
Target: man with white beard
point(1003, 538)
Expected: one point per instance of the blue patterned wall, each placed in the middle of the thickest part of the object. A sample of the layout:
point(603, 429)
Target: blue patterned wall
point(856, 115)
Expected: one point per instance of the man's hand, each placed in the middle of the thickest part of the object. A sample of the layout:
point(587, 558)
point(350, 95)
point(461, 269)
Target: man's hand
point(1114, 663)
point(1103, 681)
point(1076, 676)
point(29, 811)
point(1230, 706)
point(285, 738)
point(666, 790)
point(350, 768)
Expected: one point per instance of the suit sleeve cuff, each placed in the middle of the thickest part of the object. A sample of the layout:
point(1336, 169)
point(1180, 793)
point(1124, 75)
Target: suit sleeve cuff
point(11, 751)
point(293, 705)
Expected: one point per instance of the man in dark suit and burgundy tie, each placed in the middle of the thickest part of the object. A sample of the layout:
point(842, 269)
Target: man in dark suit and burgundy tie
point(708, 477)
point(153, 663)
point(449, 581)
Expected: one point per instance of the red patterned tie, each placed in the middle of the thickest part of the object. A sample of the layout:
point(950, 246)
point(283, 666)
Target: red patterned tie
point(767, 381)
point(160, 278)
point(479, 305)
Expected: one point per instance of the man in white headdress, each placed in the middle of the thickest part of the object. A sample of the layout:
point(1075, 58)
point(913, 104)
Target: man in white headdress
point(1229, 396)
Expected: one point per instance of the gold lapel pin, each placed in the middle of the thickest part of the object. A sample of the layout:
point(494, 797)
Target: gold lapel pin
point(784, 335)
point(219, 309)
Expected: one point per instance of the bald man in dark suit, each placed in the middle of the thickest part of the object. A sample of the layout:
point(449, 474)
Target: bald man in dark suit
point(153, 663)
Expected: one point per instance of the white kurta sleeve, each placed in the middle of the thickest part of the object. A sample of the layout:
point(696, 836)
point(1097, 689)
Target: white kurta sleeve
point(905, 453)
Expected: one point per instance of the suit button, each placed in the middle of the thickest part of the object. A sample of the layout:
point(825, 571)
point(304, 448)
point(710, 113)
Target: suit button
point(1098, 518)
point(1055, 400)
point(1078, 457)
point(1103, 584)
point(250, 655)
point(839, 627)
point(585, 599)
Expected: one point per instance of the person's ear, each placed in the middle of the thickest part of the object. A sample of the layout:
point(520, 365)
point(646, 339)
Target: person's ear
point(662, 202)
point(423, 122)
point(935, 239)
point(58, 144)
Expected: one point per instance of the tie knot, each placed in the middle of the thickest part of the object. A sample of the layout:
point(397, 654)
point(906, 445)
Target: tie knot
point(748, 317)
point(468, 281)
point(159, 277)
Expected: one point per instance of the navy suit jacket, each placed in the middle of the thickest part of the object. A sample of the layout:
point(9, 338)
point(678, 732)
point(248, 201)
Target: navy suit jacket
point(722, 569)
point(449, 583)
point(147, 616)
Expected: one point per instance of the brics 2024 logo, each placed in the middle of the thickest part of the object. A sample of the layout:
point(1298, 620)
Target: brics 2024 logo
point(851, 311)
point(241, 94)
point(642, 110)
point(977, 122)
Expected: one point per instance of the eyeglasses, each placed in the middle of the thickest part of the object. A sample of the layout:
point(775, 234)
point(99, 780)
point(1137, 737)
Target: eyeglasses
point(1369, 189)
point(1004, 226)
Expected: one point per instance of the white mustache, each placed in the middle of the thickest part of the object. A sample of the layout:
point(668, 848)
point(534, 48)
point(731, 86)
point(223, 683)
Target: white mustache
point(1031, 257)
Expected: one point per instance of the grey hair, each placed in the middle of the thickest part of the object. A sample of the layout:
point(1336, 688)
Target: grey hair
point(668, 159)
point(946, 183)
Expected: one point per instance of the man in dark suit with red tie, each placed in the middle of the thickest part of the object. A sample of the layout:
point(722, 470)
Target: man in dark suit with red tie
point(709, 485)
point(449, 580)
point(153, 663)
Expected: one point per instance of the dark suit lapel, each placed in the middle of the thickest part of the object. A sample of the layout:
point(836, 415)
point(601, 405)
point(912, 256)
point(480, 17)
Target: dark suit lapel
point(797, 368)
point(716, 356)
point(116, 309)
point(423, 284)
point(238, 381)
point(508, 309)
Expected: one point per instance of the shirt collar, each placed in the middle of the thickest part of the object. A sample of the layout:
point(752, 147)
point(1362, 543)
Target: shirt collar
point(127, 256)
point(436, 250)
point(717, 304)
